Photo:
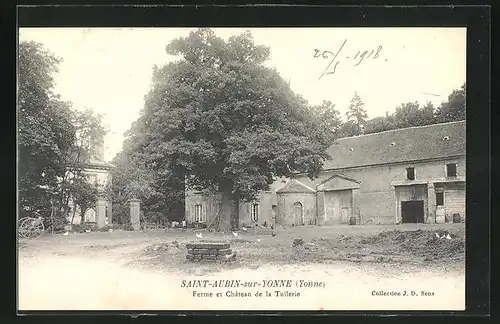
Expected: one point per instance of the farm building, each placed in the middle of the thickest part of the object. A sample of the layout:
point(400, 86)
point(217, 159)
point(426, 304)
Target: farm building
point(411, 175)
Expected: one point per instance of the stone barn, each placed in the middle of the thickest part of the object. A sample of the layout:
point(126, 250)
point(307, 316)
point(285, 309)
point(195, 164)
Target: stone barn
point(411, 175)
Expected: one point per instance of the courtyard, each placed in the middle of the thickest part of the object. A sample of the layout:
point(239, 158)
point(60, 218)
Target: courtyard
point(144, 269)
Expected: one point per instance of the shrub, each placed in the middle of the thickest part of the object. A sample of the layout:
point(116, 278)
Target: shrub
point(127, 227)
point(81, 228)
point(105, 228)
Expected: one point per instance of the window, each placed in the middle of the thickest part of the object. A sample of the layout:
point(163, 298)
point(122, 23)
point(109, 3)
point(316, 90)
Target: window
point(198, 213)
point(255, 212)
point(451, 170)
point(439, 198)
point(410, 173)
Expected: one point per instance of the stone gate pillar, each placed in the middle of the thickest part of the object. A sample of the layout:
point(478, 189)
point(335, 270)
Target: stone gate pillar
point(431, 204)
point(100, 213)
point(356, 211)
point(110, 212)
point(320, 205)
point(135, 209)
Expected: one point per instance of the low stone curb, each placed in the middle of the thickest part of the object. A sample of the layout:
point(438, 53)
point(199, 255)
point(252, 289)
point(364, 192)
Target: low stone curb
point(210, 251)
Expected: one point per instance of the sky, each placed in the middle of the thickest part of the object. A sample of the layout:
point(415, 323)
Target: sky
point(109, 69)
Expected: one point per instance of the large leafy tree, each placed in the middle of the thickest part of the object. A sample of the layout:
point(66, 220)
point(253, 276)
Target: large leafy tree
point(45, 130)
point(225, 122)
point(356, 113)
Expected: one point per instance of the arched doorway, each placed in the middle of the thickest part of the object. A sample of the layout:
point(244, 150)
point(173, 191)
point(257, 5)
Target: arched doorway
point(298, 212)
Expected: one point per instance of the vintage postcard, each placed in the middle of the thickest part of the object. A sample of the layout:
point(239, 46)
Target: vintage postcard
point(241, 168)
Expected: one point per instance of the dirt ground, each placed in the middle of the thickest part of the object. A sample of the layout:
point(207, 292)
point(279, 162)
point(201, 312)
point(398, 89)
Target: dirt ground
point(144, 270)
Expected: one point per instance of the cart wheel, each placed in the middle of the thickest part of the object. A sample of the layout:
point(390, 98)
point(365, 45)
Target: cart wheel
point(33, 228)
point(21, 228)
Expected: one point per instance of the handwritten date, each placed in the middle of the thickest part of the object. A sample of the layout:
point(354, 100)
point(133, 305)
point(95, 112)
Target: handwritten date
point(334, 60)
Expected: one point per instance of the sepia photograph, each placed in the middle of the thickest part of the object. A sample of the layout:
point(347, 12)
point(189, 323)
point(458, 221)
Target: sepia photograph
point(270, 169)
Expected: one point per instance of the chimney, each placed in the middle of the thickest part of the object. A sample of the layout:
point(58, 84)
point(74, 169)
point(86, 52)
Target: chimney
point(386, 114)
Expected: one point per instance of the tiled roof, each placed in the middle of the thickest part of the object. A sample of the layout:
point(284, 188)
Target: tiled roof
point(399, 145)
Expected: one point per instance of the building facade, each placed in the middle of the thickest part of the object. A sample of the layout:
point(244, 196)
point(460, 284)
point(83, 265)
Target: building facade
point(98, 172)
point(411, 175)
point(201, 208)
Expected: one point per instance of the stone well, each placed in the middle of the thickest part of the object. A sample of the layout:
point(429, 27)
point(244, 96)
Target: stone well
point(210, 251)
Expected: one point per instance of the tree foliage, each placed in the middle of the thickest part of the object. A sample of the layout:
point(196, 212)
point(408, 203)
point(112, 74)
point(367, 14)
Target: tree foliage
point(329, 119)
point(51, 137)
point(454, 108)
point(222, 121)
point(45, 131)
point(379, 124)
point(227, 121)
point(356, 113)
point(411, 114)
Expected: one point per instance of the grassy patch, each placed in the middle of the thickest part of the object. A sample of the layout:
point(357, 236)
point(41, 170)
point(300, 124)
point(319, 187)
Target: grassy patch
point(396, 246)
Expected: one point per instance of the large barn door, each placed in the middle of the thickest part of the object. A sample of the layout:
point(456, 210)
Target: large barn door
point(412, 211)
point(344, 215)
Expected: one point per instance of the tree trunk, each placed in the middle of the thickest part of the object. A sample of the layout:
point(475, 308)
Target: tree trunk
point(73, 216)
point(52, 214)
point(229, 216)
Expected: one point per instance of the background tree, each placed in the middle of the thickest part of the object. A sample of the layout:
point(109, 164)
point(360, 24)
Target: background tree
point(357, 113)
point(83, 194)
point(379, 124)
point(226, 122)
point(348, 129)
point(410, 114)
point(454, 108)
point(75, 191)
point(133, 179)
point(328, 118)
